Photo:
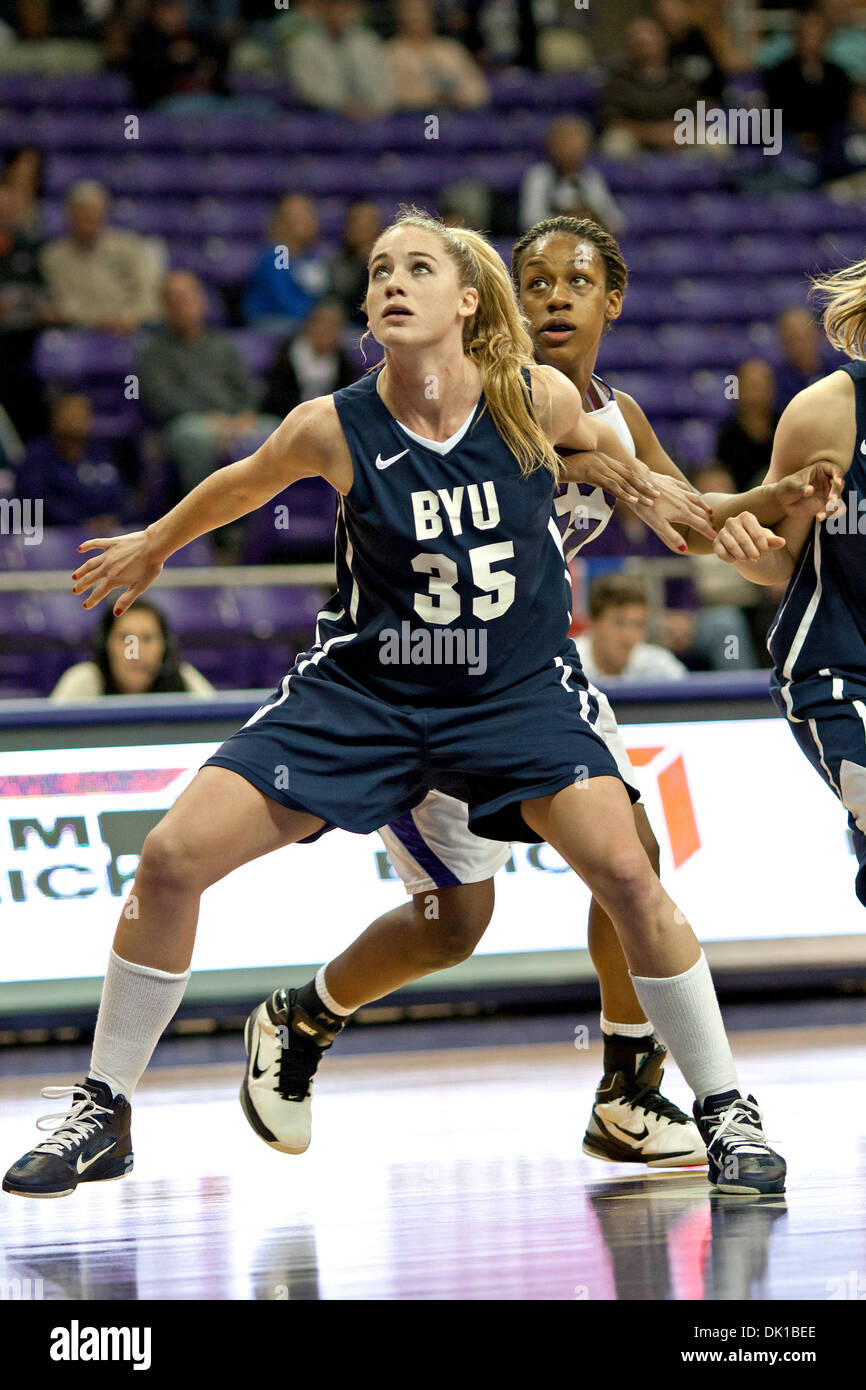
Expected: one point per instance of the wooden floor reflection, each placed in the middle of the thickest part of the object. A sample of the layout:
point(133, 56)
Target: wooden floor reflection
point(453, 1174)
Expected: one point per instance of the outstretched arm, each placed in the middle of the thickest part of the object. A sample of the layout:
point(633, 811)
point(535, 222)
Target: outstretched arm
point(804, 493)
point(308, 443)
point(815, 438)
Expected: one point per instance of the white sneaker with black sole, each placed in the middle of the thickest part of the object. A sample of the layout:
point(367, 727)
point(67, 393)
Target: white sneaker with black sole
point(632, 1122)
point(284, 1045)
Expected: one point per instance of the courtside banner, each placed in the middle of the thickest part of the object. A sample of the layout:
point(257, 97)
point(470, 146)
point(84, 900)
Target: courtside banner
point(753, 845)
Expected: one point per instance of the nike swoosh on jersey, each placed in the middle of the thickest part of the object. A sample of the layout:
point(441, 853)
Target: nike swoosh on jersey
point(81, 1164)
point(386, 463)
point(636, 1138)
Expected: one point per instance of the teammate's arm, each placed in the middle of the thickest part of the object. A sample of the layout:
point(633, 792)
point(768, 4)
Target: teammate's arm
point(808, 492)
point(818, 430)
point(308, 443)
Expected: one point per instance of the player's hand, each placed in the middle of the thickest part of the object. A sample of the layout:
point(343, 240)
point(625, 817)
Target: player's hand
point(743, 538)
point(678, 504)
point(127, 562)
point(629, 482)
point(813, 492)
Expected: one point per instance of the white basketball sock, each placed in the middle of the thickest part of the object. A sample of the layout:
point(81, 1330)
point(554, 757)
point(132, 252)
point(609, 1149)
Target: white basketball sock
point(686, 1014)
point(327, 998)
point(626, 1030)
point(137, 1005)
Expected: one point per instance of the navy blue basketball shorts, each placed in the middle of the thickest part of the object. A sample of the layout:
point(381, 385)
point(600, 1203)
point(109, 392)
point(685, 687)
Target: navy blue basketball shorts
point(834, 741)
point(325, 745)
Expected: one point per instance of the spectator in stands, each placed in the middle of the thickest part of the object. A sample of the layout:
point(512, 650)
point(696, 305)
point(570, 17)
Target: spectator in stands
point(846, 39)
point(101, 276)
point(347, 268)
point(615, 642)
point(745, 440)
point(696, 50)
point(811, 93)
point(169, 62)
point(429, 72)
point(311, 363)
point(801, 342)
point(337, 63)
point(563, 183)
point(845, 153)
point(641, 99)
point(194, 383)
point(75, 478)
point(25, 307)
point(23, 172)
point(291, 273)
point(135, 654)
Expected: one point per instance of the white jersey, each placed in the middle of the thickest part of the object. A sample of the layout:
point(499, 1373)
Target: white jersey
point(583, 511)
point(432, 846)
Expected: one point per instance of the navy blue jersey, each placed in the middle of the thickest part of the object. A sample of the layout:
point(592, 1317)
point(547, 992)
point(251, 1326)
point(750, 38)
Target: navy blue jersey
point(818, 638)
point(452, 581)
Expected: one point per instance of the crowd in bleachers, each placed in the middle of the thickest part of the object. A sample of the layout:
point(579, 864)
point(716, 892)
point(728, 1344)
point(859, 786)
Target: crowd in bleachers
point(190, 189)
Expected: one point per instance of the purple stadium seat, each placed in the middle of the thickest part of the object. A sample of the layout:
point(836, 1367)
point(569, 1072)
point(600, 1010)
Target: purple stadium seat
point(58, 550)
point(773, 255)
point(80, 354)
point(257, 348)
point(199, 552)
point(203, 612)
point(309, 530)
point(214, 260)
point(679, 255)
point(708, 300)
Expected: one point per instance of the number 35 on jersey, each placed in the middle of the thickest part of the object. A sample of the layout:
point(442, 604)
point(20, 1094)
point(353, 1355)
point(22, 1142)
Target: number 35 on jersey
point(432, 511)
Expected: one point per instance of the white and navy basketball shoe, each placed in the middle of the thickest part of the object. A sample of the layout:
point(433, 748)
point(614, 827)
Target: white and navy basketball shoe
point(92, 1143)
point(632, 1122)
point(284, 1046)
point(740, 1159)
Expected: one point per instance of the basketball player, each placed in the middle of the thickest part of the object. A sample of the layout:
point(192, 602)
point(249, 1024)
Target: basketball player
point(818, 638)
point(353, 740)
point(570, 278)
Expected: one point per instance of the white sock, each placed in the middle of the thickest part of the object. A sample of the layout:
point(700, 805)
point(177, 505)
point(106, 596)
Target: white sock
point(627, 1030)
point(328, 999)
point(138, 1003)
point(686, 1012)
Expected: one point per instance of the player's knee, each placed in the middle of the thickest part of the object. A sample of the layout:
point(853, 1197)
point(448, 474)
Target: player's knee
point(631, 888)
point(166, 861)
point(450, 932)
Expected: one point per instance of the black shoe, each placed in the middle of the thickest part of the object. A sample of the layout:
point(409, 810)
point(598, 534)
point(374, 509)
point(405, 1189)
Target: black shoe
point(740, 1159)
point(93, 1143)
point(632, 1122)
point(284, 1046)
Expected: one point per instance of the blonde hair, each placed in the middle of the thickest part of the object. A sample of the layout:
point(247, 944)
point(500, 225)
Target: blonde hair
point(844, 317)
point(496, 338)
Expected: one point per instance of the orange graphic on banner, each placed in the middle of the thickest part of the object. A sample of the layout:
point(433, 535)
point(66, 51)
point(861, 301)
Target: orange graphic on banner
point(679, 811)
point(639, 757)
point(677, 804)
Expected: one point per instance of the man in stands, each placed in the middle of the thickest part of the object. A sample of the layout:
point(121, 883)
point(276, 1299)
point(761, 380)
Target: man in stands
point(194, 383)
point(101, 276)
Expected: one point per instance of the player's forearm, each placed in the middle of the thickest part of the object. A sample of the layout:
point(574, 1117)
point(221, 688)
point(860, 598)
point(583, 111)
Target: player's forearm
point(220, 499)
point(774, 568)
point(763, 502)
